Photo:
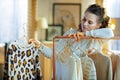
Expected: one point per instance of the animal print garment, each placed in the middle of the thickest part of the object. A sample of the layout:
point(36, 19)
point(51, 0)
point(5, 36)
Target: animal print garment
point(22, 62)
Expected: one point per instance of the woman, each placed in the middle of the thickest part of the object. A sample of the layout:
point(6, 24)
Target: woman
point(94, 24)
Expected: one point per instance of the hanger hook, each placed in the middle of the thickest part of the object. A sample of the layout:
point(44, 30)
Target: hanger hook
point(24, 30)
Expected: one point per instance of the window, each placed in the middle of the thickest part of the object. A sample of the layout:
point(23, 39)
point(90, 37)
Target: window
point(13, 16)
point(113, 9)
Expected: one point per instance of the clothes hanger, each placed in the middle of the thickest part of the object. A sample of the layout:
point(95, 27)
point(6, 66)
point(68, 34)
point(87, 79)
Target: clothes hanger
point(24, 31)
point(83, 52)
point(92, 51)
point(23, 40)
point(109, 51)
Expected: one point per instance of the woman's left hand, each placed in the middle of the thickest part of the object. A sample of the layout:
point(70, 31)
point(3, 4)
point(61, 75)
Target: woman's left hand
point(77, 36)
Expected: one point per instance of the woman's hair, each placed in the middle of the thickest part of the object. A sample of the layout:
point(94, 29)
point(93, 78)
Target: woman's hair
point(100, 12)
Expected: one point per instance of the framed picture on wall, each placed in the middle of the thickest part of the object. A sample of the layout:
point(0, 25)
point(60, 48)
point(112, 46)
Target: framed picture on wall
point(67, 14)
point(53, 30)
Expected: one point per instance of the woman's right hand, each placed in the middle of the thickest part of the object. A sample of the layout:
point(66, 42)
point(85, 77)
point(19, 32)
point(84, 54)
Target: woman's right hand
point(36, 42)
point(77, 36)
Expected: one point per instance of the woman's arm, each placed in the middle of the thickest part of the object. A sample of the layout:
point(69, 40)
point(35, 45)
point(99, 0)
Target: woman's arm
point(101, 33)
point(60, 45)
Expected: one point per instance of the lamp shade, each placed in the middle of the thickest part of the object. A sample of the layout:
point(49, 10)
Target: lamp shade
point(42, 23)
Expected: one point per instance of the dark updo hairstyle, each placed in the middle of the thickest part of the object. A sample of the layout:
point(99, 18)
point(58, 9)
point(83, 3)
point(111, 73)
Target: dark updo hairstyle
point(100, 12)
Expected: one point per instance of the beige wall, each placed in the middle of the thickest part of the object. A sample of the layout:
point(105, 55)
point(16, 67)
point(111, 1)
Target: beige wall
point(85, 4)
point(31, 29)
point(2, 55)
point(44, 7)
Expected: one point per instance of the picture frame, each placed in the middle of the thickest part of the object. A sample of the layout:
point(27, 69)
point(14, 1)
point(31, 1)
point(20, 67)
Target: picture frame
point(67, 14)
point(53, 30)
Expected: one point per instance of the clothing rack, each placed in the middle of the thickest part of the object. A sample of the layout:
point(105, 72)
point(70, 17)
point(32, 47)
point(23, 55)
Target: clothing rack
point(66, 37)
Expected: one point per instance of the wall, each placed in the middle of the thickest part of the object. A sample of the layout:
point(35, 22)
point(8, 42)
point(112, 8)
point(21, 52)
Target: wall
point(44, 7)
point(2, 51)
point(85, 4)
point(31, 29)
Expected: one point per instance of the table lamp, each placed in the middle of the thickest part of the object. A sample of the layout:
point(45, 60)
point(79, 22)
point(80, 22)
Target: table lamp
point(42, 25)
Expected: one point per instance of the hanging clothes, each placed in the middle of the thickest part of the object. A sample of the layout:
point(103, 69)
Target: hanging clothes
point(22, 62)
point(103, 65)
point(71, 69)
point(88, 68)
point(115, 58)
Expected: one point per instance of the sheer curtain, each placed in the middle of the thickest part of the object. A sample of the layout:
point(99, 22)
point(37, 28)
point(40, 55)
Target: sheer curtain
point(113, 10)
point(13, 19)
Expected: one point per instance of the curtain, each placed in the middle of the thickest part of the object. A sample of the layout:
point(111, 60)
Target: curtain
point(112, 8)
point(13, 19)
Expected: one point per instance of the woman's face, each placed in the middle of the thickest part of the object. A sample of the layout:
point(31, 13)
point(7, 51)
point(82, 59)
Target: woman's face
point(90, 22)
